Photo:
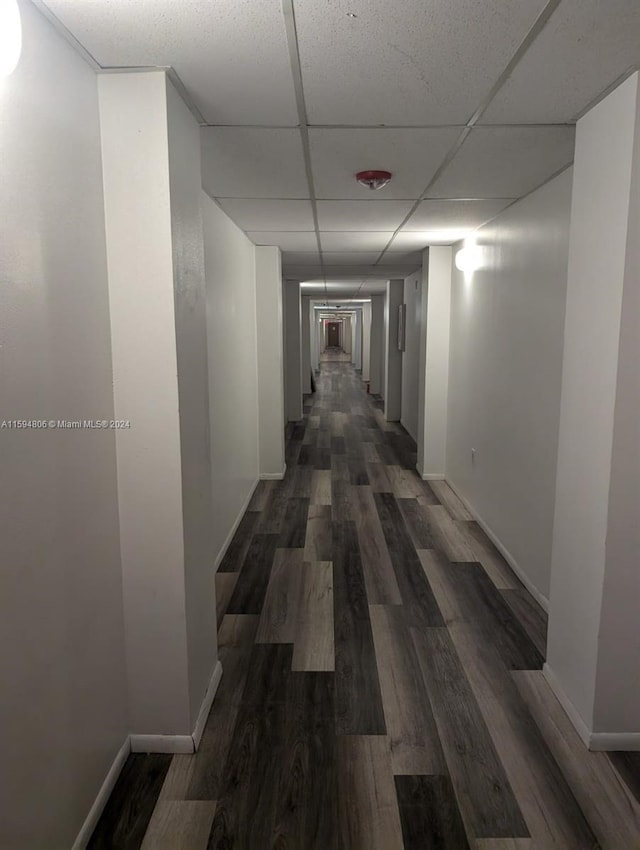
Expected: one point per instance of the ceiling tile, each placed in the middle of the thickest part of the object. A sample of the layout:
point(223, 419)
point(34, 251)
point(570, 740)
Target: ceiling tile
point(584, 48)
point(231, 55)
point(354, 240)
point(412, 156)
point(414, 63)
point(362, 215)
point(245, 162)
point(286, 241)
point(437, 215)
point(356, 258)
point(505, 162)
point(301, 258)
point(407, 258)
point(260, 214)
point(419, 239)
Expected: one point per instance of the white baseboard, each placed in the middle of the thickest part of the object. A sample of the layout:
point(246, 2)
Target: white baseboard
point(162, 744)
point(234, 527)
point(102, 797)
point(273, 476)
point(570, 710)
point(432, 476)
point(205, 708)
point(184, 744)
point(607, 741)
point(594, 741)
point(542, 600)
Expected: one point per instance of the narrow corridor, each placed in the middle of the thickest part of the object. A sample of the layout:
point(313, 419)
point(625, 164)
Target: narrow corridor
point(369, 634)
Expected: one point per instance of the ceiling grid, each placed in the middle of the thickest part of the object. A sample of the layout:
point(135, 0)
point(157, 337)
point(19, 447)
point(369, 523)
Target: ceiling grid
point(470, 105)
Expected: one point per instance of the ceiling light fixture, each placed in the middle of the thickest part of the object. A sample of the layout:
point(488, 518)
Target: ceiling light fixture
point(468, 259)
point(351, 15)
point(373, 179)
point(10, 37)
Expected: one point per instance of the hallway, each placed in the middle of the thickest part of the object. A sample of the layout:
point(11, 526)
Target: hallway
point(368, 634)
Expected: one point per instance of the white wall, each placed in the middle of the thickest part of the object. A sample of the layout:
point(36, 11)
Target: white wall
point(270, 357)
point(306, 344)
point(435, 325)
point(193, 394)
point(594, 640)
point(233, 384)
point(366, 341)
point(377, 343)
point(391, 353)
point(507, 322)
point(63, 707)
point(135, 156)
point(411, 355)
point(292, 350)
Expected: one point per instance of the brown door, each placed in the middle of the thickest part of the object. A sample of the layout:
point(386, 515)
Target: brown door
point(333, 335)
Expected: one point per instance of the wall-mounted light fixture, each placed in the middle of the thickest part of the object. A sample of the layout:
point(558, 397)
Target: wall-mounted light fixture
point(10, 36)
point(468, 259)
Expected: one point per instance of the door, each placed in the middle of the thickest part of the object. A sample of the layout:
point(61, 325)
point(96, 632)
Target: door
point(333, 335)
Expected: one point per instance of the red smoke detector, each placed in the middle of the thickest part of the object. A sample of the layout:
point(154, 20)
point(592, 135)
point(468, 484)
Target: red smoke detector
point(373, 179)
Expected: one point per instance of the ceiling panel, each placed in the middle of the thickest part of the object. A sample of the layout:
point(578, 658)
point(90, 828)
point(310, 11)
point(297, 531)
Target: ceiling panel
point(413, 63)
point(245, 162)
point(412, 156)
point(231, 55)
point(584, 48)
point(362, 215)
point(261, 214)
point(301, 258)
point(286, 241)
point(454, 215)
point(419, 239)
point(505, 162)
point(374, 240)
point(407, 258)
point(356, 258)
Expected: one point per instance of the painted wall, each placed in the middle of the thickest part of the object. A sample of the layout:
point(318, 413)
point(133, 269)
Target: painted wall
point(411, 355)
point(61, 588)
point(193, 394)
point(233, 385)
point(366, 341)
point(377, 344)
point(391, 353)
point(135, 157)
point(306, 344)
point(435, 324)
point(507, 322)
point(594, 640)
point(292, 344)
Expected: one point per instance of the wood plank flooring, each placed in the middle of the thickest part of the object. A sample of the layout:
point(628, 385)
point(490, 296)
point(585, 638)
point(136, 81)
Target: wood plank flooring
point(377, 655)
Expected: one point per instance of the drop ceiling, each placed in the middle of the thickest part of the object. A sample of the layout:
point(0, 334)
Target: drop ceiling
point(470, 104)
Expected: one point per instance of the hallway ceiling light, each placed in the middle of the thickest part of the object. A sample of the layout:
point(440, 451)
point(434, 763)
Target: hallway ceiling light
point(373, 179)
point(468, 259)
point(10, 36)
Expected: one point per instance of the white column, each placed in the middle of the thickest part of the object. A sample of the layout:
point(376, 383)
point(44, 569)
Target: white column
point(358, 339)
point(594, 630)
point(270, 365)
point(306, 343)
point(345, 326)
point(377, 345)
point(433, 375)
point(392, 354)
point(151, 174)
point(292, 351)
point(366, 341)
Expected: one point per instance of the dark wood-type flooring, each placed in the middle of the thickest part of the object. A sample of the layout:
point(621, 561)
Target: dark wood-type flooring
point(371, 638)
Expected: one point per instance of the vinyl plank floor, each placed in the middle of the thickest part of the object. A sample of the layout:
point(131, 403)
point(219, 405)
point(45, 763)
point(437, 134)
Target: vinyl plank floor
point(250, 589)
point(184, 823)
point(488, 806)
point(321, 487)
point(125, 818)
point(314, 648)
point(317, 543)
point(610, 807)
point(419, 602)
point(450, 500)
point(369, 817)
point(358, 702)
point(411, 727)
point(416, 522)
point(530, 615)
point(239, 546)
point(278, 619)
point(429, 813)
point(379, 575)
point(294, 525)
point(225, 585)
